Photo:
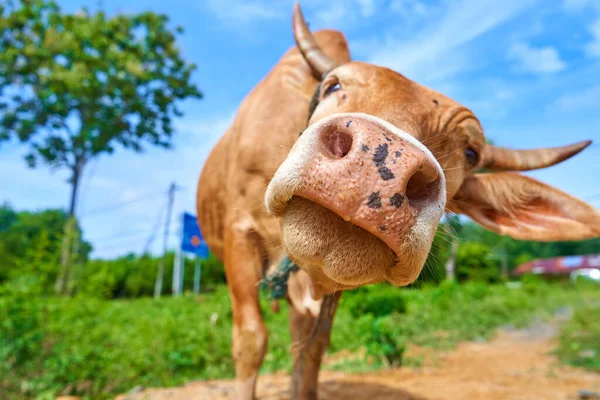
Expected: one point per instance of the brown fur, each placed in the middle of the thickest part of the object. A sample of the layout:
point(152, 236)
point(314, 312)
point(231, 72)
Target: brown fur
point(231, 190)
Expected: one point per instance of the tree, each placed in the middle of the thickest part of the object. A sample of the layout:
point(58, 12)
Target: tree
point(453, 228)
point(474, 262)
point(75, 86)
point(26, 236)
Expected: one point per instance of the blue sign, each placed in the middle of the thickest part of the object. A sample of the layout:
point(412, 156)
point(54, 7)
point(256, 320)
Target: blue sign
point(192, 240)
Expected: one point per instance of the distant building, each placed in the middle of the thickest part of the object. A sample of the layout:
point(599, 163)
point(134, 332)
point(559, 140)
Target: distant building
point(560, 266)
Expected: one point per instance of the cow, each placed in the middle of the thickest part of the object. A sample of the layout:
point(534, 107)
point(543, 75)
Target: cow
point(347, 168)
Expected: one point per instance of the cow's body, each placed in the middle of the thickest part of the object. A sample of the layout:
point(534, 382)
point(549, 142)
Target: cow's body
point(245, 159)
point(230, 199)
point(401, 154)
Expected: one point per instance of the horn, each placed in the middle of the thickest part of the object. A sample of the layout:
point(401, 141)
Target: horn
point(503, 159)
point(319, 62)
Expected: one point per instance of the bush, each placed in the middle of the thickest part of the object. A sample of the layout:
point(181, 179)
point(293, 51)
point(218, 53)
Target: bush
point(381, 341)
point(99, 348)
point(579, 340)
point(474, 262)
point(381, 301)
point(132, 276)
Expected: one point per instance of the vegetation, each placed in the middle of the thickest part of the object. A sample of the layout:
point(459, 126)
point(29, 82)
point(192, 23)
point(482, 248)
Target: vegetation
point(580, 338)
point(485, 255)
point(95, 347)
point(75, 86)
point(30, 245)
point(112, 336)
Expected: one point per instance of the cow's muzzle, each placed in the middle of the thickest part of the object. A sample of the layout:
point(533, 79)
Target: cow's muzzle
point(370, 174)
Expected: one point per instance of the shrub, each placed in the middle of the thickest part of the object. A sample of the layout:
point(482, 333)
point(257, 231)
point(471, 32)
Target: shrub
point(99, 348)
point(474, 262)
point(579, 340)
point(384, 300)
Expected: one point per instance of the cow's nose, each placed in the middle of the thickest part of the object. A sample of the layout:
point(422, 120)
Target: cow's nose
point(368, 172)
point(358, 153)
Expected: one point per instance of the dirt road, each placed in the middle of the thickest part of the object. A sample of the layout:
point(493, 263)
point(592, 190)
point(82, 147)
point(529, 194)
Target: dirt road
point(516, 365)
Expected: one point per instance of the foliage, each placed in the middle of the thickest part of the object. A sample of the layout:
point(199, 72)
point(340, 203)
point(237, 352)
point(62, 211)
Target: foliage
point(517, 252)
point(30, 245)
point(474, 262)
point(377, 301)
point(132, 276)
point(523, 250)
point(380, 342)
point(94, 347)
point(74, 86)
point(579, 341)
point(434, 269)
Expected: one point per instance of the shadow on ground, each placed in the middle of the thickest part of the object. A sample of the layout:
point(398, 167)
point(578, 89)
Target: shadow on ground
point(330, 390)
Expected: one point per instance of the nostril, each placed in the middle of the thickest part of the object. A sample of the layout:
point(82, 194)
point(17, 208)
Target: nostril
point(422, 189)
point(338, 142)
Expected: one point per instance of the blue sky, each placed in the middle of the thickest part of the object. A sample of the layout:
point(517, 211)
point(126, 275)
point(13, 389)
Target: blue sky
point(529, 69)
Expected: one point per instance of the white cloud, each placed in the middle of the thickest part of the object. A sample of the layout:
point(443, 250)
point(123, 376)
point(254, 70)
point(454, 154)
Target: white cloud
point(440, 43)
point(330, 16)
point(41, 182)
point(127, 176)
point(328, 13)
point(578, 5)
point(585, 99)
point(367, 7)
point(543, 60)
point(199, 127)
point(409, 8)
point(592, 48)
point(241, 10)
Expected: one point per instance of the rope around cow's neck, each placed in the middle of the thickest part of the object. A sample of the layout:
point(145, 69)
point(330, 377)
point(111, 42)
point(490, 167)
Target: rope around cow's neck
point(277, 282)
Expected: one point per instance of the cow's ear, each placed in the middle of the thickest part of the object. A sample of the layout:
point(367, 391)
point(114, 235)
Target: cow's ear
point(524, 208)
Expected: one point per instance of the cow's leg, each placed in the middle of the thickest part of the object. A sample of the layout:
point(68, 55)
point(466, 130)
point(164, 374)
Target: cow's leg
point(243, 262)
point(310, 336)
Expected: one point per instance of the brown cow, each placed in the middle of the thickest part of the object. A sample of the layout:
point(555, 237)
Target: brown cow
point(354, 196)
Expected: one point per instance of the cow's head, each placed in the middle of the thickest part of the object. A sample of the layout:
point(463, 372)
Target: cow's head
point(363, 189)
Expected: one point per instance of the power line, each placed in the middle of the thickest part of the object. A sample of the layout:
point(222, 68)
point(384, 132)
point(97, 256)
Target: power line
point(124, 244)
point(154, 231)
point(123, 204)
point(119, 235)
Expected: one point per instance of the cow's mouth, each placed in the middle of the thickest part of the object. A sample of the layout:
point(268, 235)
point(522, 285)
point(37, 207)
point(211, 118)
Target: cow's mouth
point(360, 201)
point(332, 249)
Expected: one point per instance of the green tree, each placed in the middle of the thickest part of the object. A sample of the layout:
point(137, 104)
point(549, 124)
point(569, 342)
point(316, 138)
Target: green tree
point(30, 244)
point(74, 86)
point(474, 261)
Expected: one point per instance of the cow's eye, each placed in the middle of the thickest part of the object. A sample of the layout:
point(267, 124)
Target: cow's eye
point(472, 157)
point(333, 87)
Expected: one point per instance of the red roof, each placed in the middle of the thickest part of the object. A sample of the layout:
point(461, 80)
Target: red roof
point(559, 265)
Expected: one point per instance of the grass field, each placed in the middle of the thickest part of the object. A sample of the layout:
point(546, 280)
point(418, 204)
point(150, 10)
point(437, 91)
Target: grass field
point(98, 348)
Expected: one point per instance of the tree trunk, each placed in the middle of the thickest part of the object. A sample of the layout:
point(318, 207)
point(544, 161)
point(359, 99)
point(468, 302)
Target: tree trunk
point(64, 277)
point(504, 263)
point(451, 262)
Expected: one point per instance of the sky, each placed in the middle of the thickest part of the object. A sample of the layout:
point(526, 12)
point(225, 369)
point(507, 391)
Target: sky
point(529, 69)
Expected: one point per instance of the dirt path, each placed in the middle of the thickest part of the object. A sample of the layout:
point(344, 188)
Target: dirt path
point(516, 365)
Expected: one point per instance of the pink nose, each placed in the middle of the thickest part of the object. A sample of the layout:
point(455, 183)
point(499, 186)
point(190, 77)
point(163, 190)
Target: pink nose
point(372, 175)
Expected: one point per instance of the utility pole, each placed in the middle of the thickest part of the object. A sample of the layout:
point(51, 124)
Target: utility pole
point(178, 262)
point(161, 263)
point(197, 271)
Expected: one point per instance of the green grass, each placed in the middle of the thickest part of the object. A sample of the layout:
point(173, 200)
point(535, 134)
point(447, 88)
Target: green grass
point(579, 340)
point(98, 348)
